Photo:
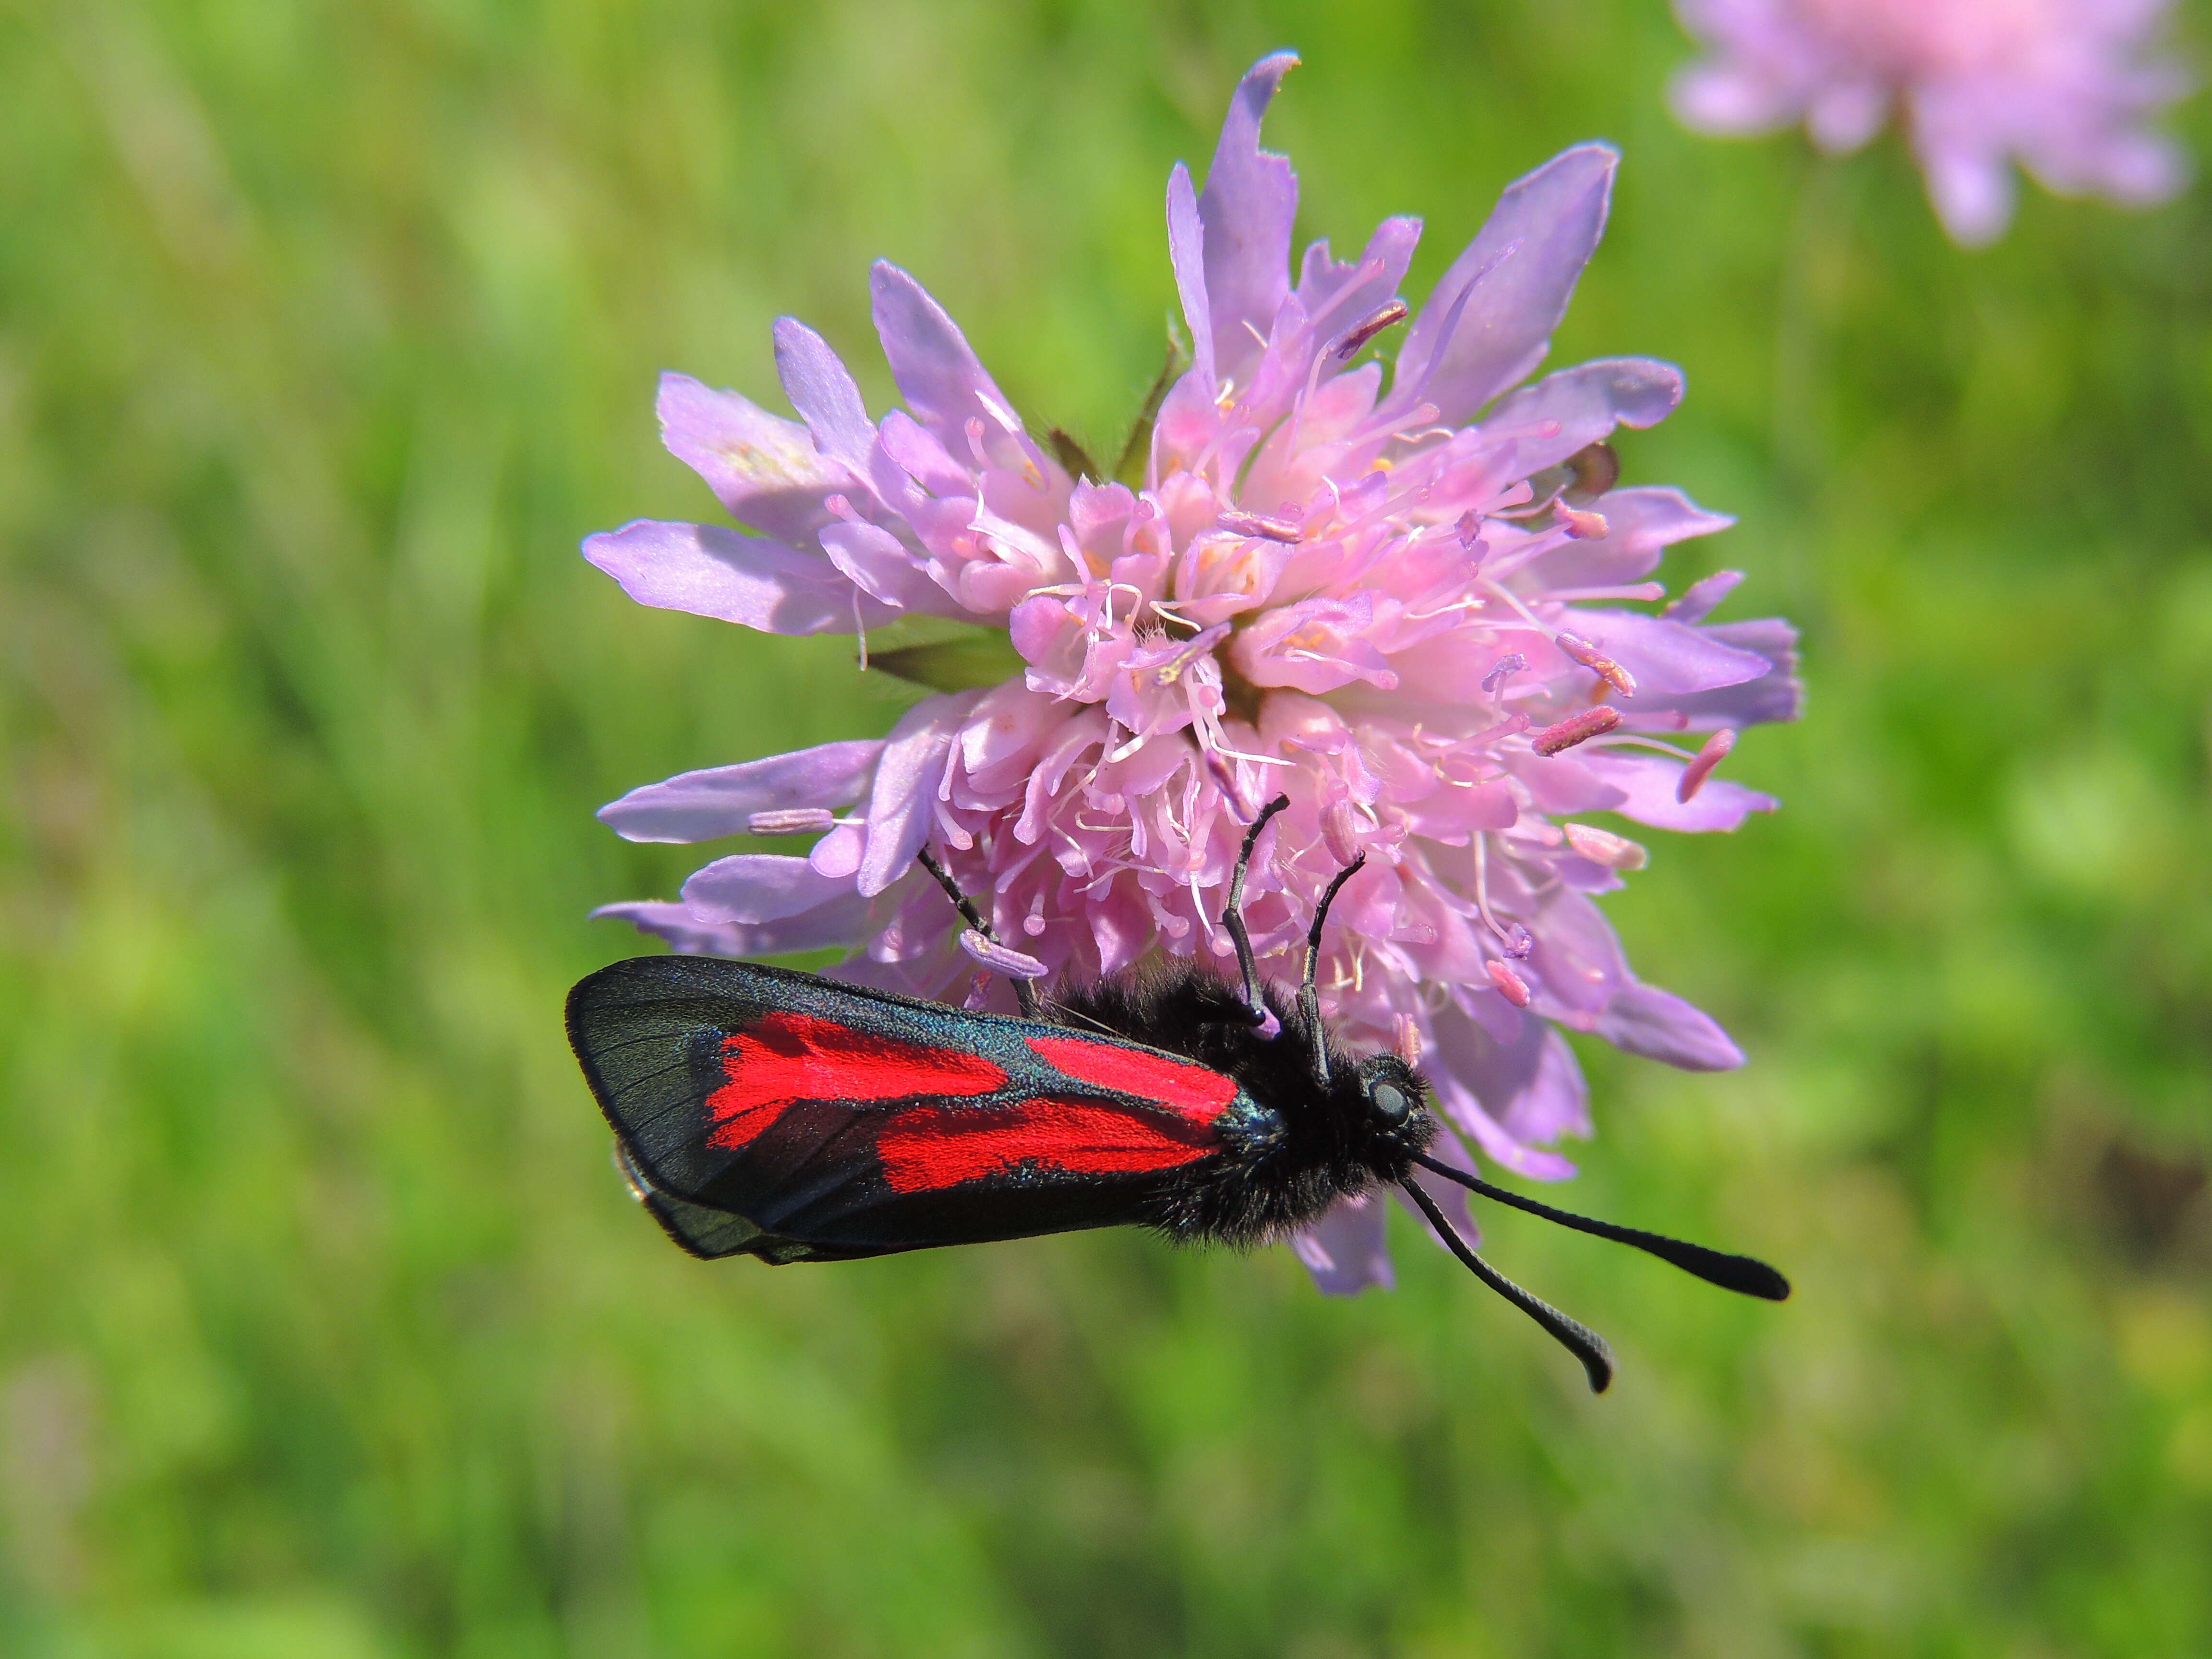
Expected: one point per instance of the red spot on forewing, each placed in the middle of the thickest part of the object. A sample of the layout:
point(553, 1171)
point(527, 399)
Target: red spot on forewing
point(932, 1147)
point(1197, 1092)
point(785, 1058)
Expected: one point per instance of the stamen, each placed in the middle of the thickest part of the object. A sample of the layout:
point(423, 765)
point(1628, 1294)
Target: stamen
point(1576, 728)
point(842, 509)
point(978, 995)
point(1340, 831)
point(1001, 958)
point(1470, 533)
point(1510, 985)
point(1242, 523)
point(1580, 525)
point(1634, 740)
point(1507, 667)
point(1407, 1039)
point(1516, 940)
point(1602, 846)
point(1598, 663)
point(792, 821)
point(1715, 750)
point(1368, 327)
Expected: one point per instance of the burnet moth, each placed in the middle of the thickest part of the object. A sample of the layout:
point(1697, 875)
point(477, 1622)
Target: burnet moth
point(758, 1111)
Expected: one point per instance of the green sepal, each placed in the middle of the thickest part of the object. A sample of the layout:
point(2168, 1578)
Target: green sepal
point(1137, 453)
point(1073, 456)
point(942, 655)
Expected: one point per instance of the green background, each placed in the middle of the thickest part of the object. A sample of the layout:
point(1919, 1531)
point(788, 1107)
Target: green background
point(326, 1331)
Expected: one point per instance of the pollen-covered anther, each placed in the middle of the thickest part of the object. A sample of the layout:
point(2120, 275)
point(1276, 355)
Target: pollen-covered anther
point(1406, 1038)
point(1001, 958)
point(792, 821)
point(1510, 985)
point(1603, 847)
point(1339, 831)
point(1368, 327)
point(1576, 728)
point(1715, 750)
point(1519, 942)
point(1275, 529)
point(1599, 664)
point(1581, 525)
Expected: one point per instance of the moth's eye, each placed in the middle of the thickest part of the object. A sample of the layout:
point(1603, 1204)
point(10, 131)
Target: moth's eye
point(1390, 1103)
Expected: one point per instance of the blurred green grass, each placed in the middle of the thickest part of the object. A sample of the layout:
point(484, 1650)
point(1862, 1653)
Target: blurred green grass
point(326, 1331)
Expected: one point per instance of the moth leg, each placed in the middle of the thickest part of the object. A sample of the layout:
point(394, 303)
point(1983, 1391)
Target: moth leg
point(1025, 995)
point(1309, 993)
point(1232, 917)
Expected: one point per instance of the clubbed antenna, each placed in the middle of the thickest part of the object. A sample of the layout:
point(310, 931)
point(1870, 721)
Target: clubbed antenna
point(1576, 1338)
point(1746, 1275)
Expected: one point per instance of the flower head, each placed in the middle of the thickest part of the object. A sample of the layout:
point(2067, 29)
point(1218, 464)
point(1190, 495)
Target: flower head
point(1407, 606)
point(2061, 85)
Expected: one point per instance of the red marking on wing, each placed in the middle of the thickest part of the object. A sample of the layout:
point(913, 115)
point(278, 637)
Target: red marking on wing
point(785, 1058)
point(937, 1146)
point(1197, 1092)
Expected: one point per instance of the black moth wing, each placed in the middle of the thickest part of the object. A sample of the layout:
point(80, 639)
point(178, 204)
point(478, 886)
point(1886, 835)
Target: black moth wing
point(761, 1111)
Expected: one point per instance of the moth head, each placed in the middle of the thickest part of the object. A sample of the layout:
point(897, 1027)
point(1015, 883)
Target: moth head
point(1391, 1089)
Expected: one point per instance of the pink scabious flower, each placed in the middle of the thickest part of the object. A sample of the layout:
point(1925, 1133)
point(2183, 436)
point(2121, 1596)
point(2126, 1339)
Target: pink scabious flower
point(1406, 606)
point(2062, 85)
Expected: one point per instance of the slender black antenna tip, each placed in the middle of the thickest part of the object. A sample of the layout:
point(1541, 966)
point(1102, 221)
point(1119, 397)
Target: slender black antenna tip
point(1576, 1338)
point(1746, 1275)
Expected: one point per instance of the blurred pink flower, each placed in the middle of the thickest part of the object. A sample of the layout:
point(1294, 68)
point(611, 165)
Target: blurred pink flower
point(2061, 85)
point(1408, 619)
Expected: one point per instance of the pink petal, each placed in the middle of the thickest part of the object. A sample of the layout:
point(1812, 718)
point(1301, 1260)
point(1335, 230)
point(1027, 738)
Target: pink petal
point(1528, 1085)
point(880, 565)
point(1582, 405)
point(843, 920)
point(762, 467)
point(1251, 196)
point(1972, 188)
point(1727, 99)
point(937, 373)
point(1667, 658)
point(1528, 257)
point(713, 572)
point(906, 781)
point(1578, 958)
point(717, 801)
point(822, 389)
point(1641, 523)
point(1776, 695)
point(1643, 1019)
point(1187, 255)
point(1700, 598)
point(1650, 782)
point(756, 887)
point(1337, 296)
point(676, 924)
point(1345, 1250)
